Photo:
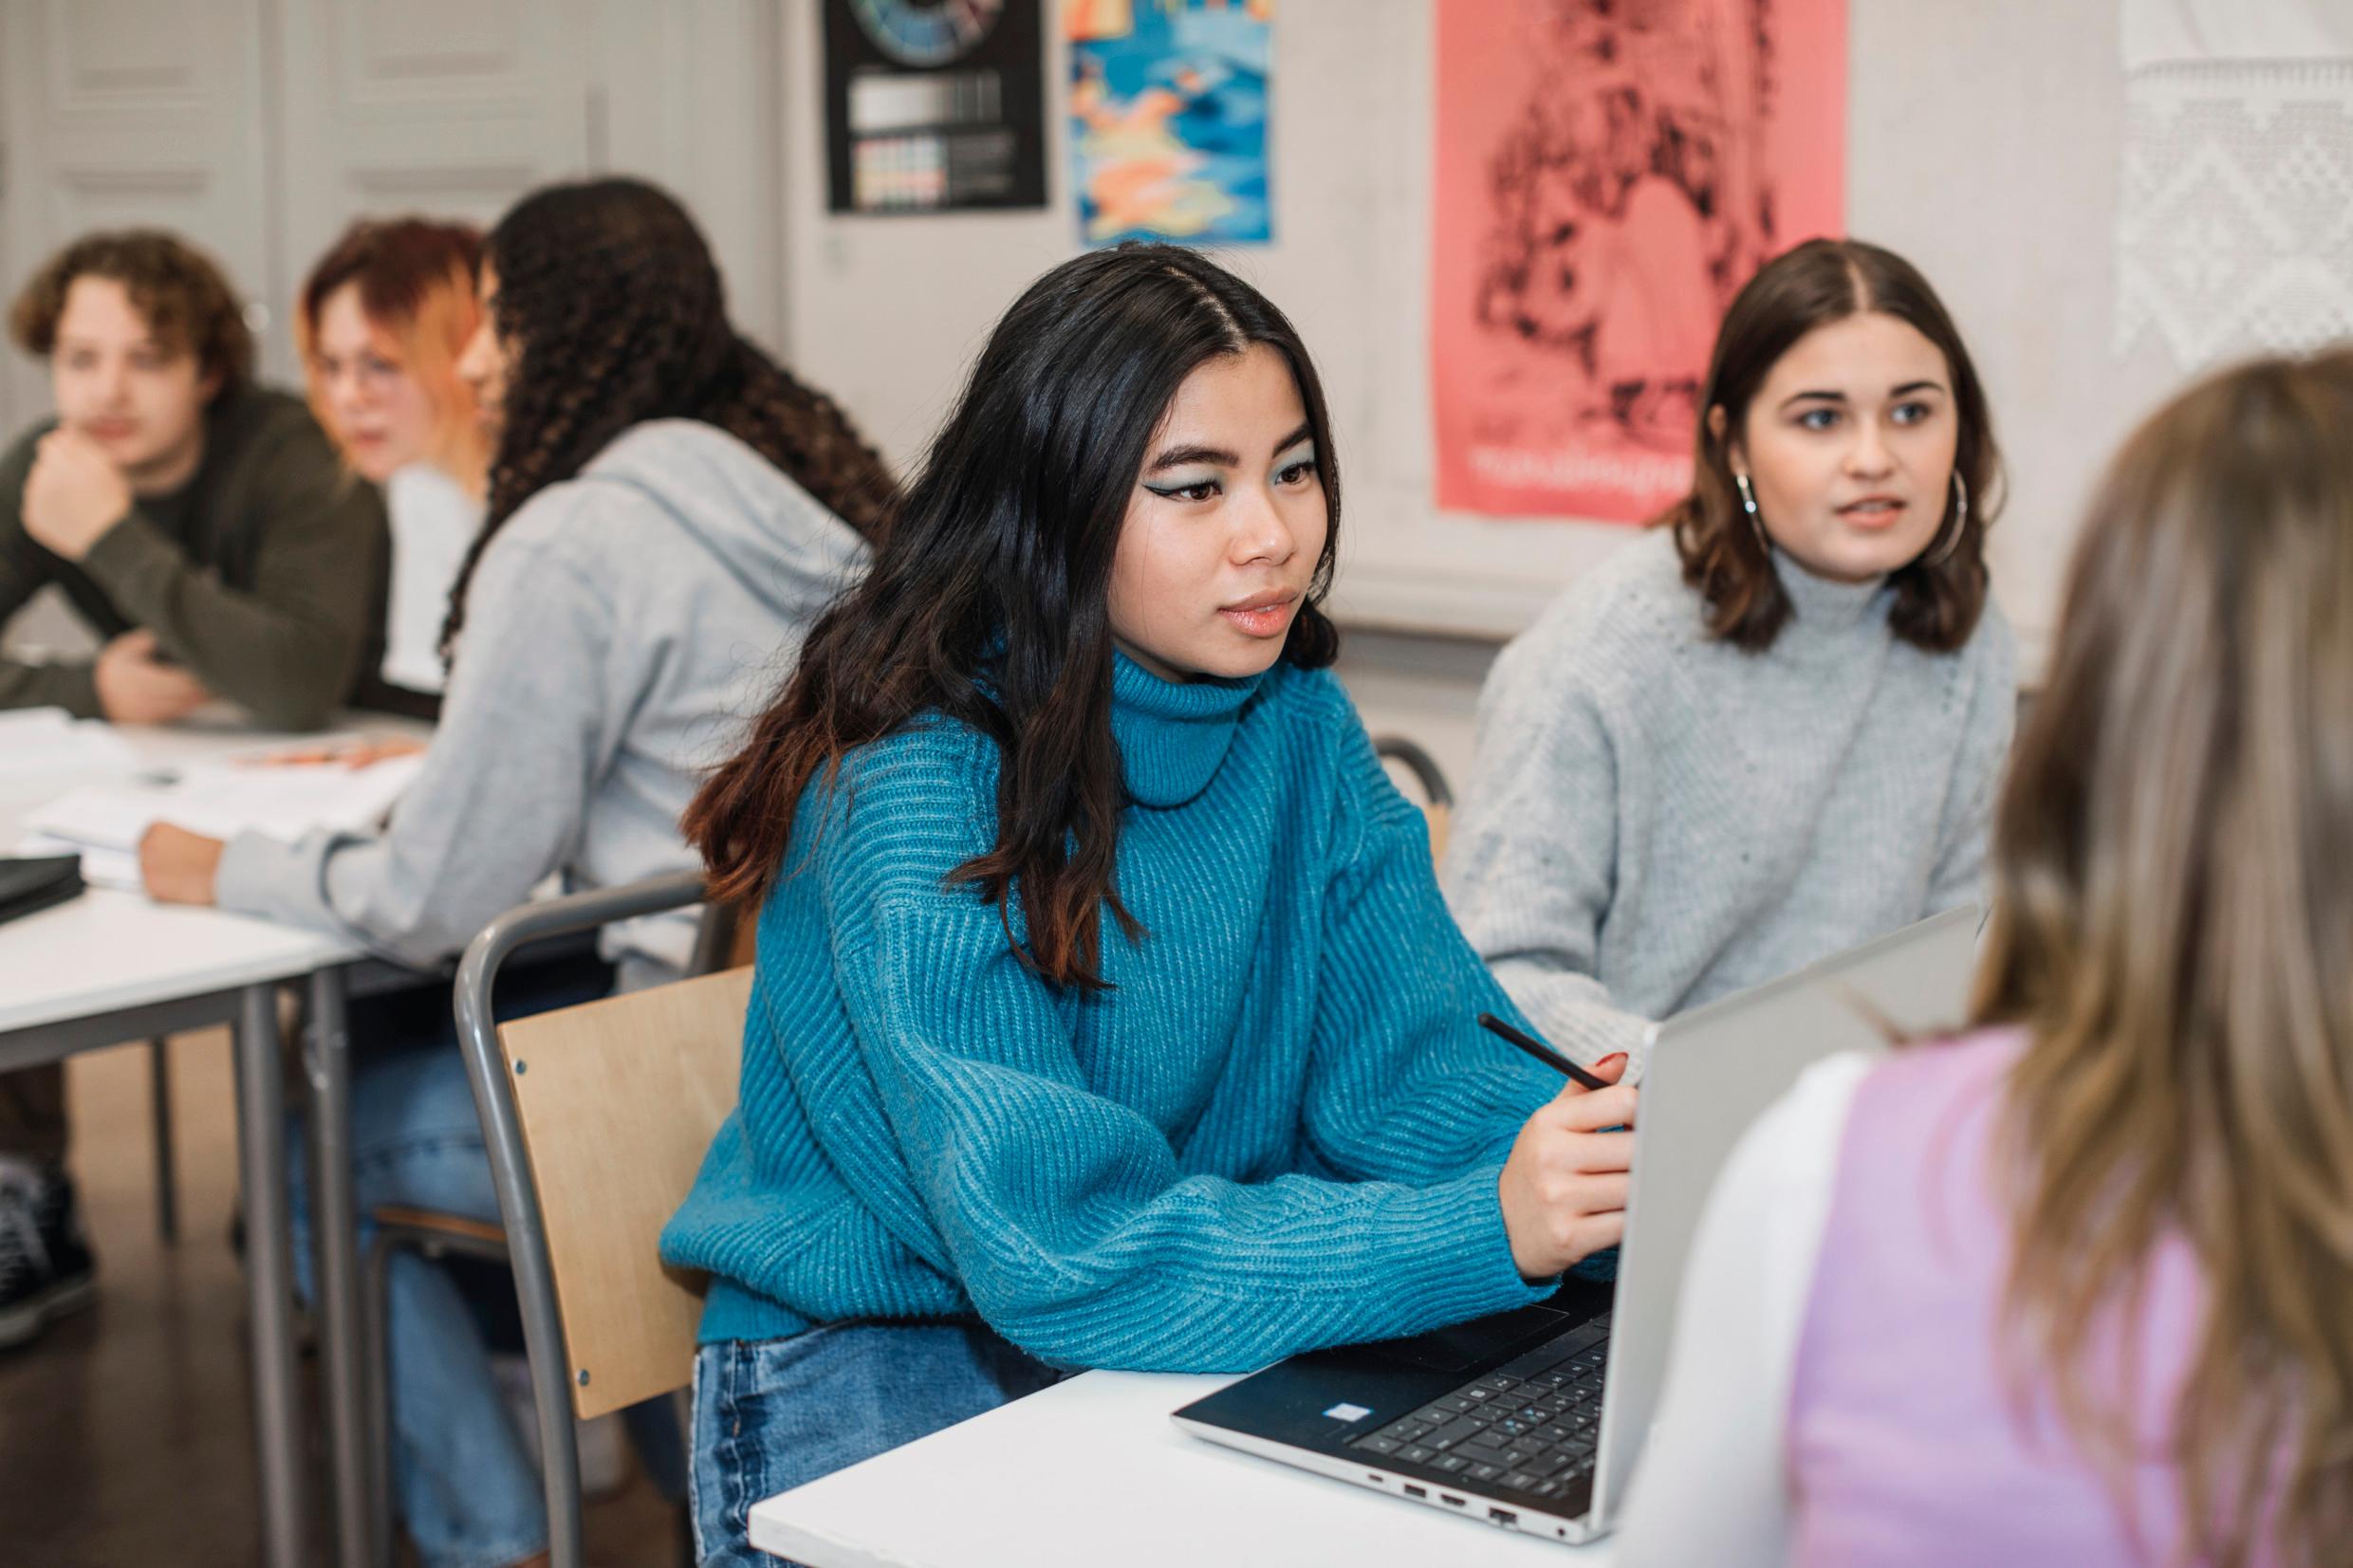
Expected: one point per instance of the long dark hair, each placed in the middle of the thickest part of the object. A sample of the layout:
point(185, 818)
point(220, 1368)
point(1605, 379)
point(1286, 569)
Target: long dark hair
point(1822, 281)
point(988, 600)
point(613, 314)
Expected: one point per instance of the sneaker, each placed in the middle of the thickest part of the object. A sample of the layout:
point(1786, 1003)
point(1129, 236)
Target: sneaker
point(45, 1267)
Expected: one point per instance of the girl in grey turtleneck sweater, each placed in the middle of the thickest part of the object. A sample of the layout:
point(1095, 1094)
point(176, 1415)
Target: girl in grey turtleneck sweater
point(1770, 729)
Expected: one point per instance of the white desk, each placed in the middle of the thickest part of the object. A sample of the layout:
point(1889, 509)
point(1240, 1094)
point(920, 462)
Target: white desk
point(1092, 1471)
point(72, 971)
point(110, 966)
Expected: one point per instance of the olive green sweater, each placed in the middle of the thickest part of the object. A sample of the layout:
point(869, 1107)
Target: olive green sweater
point(263, 575)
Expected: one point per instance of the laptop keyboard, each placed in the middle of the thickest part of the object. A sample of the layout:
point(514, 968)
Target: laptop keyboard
point(1532, 1425)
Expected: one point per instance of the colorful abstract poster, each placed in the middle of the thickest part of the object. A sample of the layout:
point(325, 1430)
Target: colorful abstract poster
point(1168, 119)
point(1608, 174)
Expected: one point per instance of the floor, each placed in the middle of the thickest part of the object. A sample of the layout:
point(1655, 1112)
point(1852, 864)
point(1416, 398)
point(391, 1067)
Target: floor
point(125, 1433)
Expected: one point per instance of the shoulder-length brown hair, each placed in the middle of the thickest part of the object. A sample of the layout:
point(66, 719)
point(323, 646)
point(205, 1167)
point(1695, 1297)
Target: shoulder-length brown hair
point(988, 600)
point(1820, 282)
point(416, 282)
point(2173, 880)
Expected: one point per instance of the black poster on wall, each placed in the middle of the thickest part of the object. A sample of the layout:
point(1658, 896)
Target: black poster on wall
point(934, 105)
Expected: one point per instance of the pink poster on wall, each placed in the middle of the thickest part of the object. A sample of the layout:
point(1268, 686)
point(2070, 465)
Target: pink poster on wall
point(1608, 174)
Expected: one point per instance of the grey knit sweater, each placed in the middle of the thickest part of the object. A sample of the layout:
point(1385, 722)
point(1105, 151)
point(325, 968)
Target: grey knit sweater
point(1658, 819)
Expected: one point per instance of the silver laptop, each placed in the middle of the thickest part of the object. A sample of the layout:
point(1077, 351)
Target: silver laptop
point(1535, 1419)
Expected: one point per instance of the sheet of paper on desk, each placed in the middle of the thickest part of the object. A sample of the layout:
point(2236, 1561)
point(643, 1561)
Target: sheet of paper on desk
point(286, 801)
point(49, 740)
point(220, 801)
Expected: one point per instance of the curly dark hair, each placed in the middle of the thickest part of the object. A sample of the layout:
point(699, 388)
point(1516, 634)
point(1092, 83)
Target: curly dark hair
point(612, 313)
point(182, 293)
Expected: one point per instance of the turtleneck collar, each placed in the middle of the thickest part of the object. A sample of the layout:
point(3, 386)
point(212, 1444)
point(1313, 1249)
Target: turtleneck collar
point(1172, 735)
point(1824, 607)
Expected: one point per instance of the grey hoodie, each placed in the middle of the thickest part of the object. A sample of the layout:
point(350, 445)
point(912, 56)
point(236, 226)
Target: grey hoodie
point(620, 631)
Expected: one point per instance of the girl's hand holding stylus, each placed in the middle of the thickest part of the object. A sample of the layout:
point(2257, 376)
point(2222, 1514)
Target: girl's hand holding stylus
point(1564, 1188)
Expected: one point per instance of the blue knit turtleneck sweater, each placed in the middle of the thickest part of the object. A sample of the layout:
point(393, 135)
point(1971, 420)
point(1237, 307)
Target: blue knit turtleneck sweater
point(1282, 1128)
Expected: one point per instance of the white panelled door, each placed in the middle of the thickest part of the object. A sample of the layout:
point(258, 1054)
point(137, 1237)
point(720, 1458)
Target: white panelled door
point(259, 128)
point(445, 108)
point(122, 113)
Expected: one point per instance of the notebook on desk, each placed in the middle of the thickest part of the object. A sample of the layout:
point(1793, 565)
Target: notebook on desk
point(28, 885)
point(1534, 1419)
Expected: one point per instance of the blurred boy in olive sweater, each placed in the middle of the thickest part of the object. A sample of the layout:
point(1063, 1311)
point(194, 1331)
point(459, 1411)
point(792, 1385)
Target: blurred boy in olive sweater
point(202, 526)
point(205, 530)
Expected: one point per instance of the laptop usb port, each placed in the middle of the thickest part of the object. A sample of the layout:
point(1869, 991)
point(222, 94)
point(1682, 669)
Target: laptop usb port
point(1503, 1516)
point(1412, 1490)
point(1449, 1502)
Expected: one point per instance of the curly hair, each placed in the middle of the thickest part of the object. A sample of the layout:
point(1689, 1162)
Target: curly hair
point(181, 292)
point(611, 312)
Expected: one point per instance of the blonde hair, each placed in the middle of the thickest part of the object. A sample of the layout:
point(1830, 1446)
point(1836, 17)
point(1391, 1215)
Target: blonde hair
point(2174, 925)
point(417, 284)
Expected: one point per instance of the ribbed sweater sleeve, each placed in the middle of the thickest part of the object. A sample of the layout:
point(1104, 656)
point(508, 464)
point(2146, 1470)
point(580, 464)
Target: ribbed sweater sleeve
point(1067, 1216)
point(1403, 1085)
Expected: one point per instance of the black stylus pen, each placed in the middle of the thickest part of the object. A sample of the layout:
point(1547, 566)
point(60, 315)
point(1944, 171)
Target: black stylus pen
point(1541, 1051)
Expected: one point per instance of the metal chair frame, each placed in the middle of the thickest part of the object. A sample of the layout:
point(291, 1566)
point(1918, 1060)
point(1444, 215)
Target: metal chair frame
point(525, 1247)
point(1423, 767)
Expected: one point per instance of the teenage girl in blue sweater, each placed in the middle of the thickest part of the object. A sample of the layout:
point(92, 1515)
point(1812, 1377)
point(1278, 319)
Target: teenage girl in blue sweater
point(1106, 1012)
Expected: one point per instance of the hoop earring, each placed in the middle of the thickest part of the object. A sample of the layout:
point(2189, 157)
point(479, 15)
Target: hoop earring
point(1748, 504)
point(1943, 552)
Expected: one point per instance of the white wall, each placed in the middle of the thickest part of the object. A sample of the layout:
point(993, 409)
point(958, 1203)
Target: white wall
point(1983, 142)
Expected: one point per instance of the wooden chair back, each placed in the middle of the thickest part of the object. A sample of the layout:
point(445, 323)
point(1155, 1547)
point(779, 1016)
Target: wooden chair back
point(617, 1100)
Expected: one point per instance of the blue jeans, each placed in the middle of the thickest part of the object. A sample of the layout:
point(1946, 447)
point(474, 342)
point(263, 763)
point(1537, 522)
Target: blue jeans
point(463, 1481)
point(772, 1413)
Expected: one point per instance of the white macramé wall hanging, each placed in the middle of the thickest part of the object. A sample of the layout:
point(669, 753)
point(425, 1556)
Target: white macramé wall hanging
point(2234, 210)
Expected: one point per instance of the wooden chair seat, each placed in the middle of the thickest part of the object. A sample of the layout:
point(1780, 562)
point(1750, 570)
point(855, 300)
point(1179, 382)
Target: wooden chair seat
point(433, 1222)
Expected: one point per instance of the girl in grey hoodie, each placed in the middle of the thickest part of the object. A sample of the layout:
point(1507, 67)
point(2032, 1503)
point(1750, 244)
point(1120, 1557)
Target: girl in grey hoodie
point(668, 512)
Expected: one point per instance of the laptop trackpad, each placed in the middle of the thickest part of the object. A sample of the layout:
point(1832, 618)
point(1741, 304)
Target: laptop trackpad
point(1464, 1345)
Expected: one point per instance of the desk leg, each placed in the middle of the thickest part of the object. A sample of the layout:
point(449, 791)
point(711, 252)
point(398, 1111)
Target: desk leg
point(336, 1257)
point(260, 1140)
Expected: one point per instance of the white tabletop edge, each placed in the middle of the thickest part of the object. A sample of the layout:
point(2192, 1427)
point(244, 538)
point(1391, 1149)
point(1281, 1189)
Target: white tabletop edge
point(110, 950)
point(1093, 1472)
point(248, 951)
